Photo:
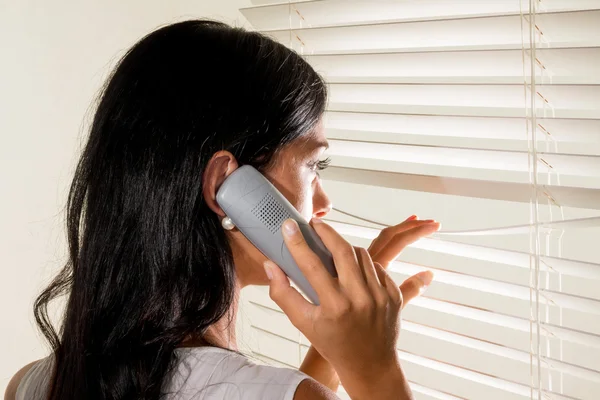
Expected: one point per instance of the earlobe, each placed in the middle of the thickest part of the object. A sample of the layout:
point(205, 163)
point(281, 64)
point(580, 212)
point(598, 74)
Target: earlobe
point(218, 168)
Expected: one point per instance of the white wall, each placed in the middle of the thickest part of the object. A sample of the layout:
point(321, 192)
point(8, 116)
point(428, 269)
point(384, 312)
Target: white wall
point(54, 56)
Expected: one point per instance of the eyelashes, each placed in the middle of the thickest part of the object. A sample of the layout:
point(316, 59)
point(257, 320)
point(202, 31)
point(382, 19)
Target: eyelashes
point(320, 165)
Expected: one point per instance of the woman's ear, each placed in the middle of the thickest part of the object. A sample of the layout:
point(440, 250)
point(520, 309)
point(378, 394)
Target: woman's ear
point(219, 167)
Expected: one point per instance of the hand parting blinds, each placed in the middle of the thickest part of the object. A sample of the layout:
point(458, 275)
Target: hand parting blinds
point(485, 115)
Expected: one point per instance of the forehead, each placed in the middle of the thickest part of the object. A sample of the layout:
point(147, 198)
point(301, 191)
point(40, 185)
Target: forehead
point(307, 146)
point(314, 140)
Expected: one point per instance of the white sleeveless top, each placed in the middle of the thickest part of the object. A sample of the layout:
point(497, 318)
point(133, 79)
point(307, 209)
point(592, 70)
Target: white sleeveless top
point(201, 373)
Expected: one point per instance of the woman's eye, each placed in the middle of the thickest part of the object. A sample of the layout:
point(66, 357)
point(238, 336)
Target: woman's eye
point(320, 165)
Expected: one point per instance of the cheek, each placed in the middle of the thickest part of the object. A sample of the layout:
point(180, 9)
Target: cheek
point(295, 183)
point(305, 206)
point(298, 191)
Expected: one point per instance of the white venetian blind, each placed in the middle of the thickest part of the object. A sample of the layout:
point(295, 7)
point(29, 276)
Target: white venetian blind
point(484, 115)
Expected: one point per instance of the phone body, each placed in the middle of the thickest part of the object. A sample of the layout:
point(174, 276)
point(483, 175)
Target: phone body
point(258, 210)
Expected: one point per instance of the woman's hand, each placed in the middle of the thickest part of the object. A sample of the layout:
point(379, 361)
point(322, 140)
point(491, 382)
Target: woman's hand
point(383, 250)
point(392, 240)
point(356, 325)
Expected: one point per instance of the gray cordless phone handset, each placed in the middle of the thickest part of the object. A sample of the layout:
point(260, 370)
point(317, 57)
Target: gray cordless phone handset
point(258, 210)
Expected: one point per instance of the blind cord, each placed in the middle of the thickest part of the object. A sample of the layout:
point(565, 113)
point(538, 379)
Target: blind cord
point(360, 218)
point(550, 226)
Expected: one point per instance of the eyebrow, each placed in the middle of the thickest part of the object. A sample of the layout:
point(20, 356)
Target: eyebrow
point(321, 143)
point(311, 145)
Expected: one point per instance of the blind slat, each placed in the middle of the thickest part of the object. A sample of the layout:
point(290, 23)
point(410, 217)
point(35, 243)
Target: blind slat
point(346, 12)
point(516, 323)
point(566, 66)
point(502, 351)
point(453, 111)
point(582, 304)
point(474, 376)
point(568, 164)
point(508, 191)
point(567, 30)
point(518, 259)
point(559, 130)
point(565, 101)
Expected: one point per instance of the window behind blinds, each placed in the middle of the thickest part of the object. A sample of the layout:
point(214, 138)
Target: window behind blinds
point(484, 115)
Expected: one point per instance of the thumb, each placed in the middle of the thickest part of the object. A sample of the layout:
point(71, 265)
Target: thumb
point(415, 285)
point(294, 305)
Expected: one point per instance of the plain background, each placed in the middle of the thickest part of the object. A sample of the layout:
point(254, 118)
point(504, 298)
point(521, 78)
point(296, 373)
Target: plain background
point(54, 57)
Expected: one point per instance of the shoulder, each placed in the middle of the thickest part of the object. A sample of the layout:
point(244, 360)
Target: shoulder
point(222, 374)
point(13, 385)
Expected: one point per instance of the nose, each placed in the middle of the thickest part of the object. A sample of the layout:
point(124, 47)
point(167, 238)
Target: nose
point(321, 203)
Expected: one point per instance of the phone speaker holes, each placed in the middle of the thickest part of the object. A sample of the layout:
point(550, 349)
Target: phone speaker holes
point(270, 213)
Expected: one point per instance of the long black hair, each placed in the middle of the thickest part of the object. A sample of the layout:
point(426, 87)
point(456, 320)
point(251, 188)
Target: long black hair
point(149, 264)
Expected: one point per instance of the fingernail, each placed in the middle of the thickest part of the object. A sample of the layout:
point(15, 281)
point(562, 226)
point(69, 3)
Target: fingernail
point(317, 221)
point(267, 265)
point(290, 227)
point(426, 277)
point(412, 217)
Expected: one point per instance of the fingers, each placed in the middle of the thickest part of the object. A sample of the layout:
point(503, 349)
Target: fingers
point(387, 233)
point(376, 289)
point(415, 285)
point(410, 288)
point(389, 245)
point(293, 304)
point(349, 271)
point(388, 283)
point(390, 231)
point(309, 263)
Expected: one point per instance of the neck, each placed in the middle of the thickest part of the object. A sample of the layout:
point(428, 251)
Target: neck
point(222, 333)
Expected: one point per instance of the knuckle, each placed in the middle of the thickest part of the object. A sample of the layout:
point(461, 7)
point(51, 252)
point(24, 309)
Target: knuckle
point(359, 252)
point(274, 293)
point(365, 304)
point(346, 250)
point(311, 264)
point(396, 296)
point(400, 301)
point(386, 232)
point(296, 240)
point(382, 298)
point(342, 309)
point(362, 252)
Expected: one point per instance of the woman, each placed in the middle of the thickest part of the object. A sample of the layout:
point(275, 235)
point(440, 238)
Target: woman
point(153, 278)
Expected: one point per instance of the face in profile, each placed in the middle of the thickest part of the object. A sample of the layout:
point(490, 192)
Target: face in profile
point(295, 173)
